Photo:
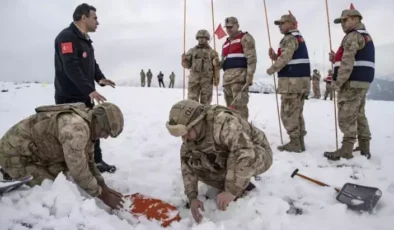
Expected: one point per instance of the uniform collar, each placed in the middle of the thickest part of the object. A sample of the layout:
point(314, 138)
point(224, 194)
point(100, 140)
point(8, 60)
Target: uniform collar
point(79, 31)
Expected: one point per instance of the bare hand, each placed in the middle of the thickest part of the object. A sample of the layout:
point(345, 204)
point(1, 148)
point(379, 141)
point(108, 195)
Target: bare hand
point(223, 199)
point(272, 54)
point(331, 56)
point(98, 97)
point(110, 199)
point(105, 82)
point(194, 206)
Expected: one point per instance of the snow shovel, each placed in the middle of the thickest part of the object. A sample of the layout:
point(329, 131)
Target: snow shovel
point(151, 208)
point(356, 197)
point(11, 185)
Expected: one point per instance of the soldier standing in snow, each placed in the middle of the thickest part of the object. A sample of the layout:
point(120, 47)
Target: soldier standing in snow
point(172, 80)
point(316, 84)
point(353, 73)
point(199, 60)
point(60, 138)
point(293, 67)
point(160, 79)
point(238, 62)
point(220, 149)
point(142, 74)
point(328, 85)
point(76, 69)
point(149, 75)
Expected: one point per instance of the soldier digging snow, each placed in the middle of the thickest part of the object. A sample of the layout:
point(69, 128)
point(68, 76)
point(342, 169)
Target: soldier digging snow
point(199, 60)
point(220, 149)
point(292, 65)
point(60, 138)
point(238, 62)
point(353, 73)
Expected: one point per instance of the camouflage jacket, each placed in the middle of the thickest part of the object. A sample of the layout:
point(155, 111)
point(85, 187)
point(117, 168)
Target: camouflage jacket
point(316, 77)
point(149, 74)
point(56, 134)
point(199, 60)
point(172, 76)
point(225, 146)
point(142, 74)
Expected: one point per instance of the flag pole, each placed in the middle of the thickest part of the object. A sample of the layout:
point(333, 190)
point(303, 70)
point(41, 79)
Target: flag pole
point(335, 102)
point(215, 72)
point(276, 91)
point(184, 46)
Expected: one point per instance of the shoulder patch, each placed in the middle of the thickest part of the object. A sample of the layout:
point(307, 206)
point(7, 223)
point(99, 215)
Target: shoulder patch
point(300, 39)
point(67, 47)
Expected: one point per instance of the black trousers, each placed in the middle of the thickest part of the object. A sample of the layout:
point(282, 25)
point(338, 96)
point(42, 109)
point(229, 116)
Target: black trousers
point(98, 156)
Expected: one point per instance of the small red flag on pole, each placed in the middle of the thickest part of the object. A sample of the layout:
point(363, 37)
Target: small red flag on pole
point(220, 33)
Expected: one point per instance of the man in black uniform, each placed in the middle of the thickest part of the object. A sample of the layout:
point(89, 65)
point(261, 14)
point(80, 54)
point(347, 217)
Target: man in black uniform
point(77, 70)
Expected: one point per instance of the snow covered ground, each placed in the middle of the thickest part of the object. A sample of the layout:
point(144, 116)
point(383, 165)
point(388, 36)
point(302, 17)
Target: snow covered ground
point(147, 158)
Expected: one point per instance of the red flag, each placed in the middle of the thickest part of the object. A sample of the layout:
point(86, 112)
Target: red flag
point(351, 6)
point(293, 15)
point(220, 32)
point(67, 48)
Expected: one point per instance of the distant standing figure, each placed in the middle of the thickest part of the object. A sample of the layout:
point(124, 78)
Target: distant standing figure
point(149, 76)
point(328, 81)
point(172, 80)
point(142, 78)
point(160, 79)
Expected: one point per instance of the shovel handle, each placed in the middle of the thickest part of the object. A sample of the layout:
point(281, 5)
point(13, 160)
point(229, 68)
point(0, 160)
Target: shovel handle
point(311, 180)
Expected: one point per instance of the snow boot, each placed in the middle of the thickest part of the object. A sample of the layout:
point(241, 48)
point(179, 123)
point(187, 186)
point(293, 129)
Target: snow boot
point(363, 147)
point(104, 167)
point(293, 146)
point(346, 151)
point(6, 176)
point(302, 143)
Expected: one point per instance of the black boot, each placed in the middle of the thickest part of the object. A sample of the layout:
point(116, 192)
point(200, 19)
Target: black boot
point(104, 167)
point(6, 176)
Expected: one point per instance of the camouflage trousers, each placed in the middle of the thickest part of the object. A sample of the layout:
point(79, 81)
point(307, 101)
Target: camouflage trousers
point(316, 89)
point(171, 84)
point(351, 115)
point(19, 166)
point(221, 178)
point(142, 82)
point(328, 92)
point(149, 81)
point(292, 108)
point(233, 91)
point(200, 89)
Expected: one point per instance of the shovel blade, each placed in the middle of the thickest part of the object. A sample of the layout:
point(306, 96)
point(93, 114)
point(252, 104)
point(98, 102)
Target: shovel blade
point(358, 197)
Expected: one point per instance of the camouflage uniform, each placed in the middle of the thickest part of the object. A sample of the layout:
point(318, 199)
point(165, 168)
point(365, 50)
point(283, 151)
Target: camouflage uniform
point(149, 75)
point(353, 74)
point(328, 81)
point(294, 87)
point(58, 139)
point(238, 62)
point(316, 84)
point(142, 78)
point(199, 60)
point(226, 152)
point(172, 80)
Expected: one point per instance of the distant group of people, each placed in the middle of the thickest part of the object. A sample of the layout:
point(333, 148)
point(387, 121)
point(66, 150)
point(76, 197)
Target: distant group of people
point(316, 84)
point(160, 78)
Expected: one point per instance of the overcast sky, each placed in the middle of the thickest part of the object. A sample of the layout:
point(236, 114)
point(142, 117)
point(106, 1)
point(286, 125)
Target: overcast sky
point(136, 34)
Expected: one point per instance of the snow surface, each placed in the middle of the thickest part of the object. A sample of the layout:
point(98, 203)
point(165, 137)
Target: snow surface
point(147, 158)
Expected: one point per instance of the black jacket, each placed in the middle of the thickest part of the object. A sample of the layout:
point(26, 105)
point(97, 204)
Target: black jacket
point(76, 68)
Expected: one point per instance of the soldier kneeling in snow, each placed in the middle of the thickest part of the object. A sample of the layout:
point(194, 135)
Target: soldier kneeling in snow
point(60, 138)
point(219, 149)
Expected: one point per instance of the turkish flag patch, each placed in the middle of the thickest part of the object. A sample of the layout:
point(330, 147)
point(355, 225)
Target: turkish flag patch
point(67, 47)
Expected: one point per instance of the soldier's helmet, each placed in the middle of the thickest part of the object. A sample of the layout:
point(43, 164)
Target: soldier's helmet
point(183, 116)
point(203, 33)
point(113, 118)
